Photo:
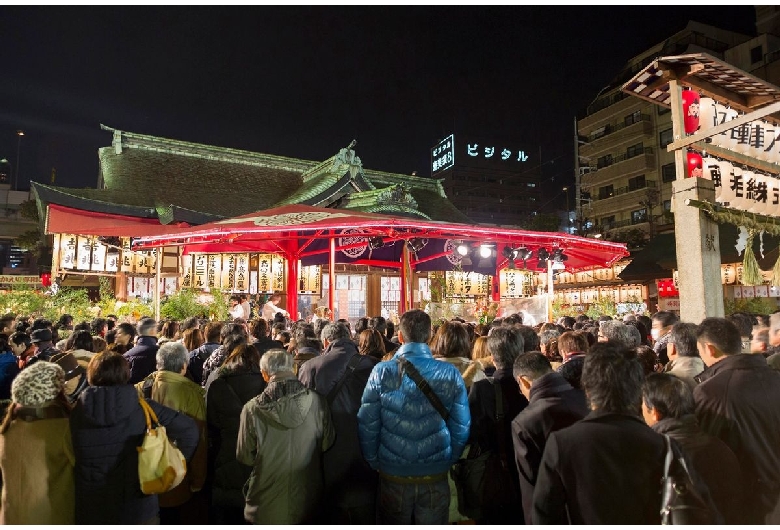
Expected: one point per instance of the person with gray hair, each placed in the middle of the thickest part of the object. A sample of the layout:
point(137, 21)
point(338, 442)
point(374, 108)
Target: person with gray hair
point(142, 356)
point(350, 483)
point(282, 435)
point(616, 331)
point(334, 331)
point(169, 386)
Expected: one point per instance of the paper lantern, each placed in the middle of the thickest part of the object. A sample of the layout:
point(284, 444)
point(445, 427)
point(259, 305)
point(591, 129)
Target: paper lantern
point(719, 172)
point(750, 190)
point(694, 165)
point(761, 195)
point(757, 130)
point(707, 116)
point(690, 105)
point(736, 187)
point(770, 130)
point(772, 206)
point(724, 114)
point(726, 196)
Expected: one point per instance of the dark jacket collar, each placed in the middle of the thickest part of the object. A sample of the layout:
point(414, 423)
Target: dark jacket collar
point(549, 385)
point(739, 361)
point(503, 373)
point(146, 340)
point(685, 426)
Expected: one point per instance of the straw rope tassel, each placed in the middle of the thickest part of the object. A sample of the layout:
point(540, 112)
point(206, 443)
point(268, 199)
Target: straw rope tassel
point(751, 272)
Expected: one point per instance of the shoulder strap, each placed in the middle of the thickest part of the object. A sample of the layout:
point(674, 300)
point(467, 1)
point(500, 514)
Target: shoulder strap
point(353, 362)
point(409, 369)
point(147, 387)
point(499, 421)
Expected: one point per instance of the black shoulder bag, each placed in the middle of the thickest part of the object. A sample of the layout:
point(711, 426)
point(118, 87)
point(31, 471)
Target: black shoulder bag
point(681, 502)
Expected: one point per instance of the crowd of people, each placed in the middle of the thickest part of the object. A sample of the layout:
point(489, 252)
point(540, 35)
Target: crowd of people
point(286, 422)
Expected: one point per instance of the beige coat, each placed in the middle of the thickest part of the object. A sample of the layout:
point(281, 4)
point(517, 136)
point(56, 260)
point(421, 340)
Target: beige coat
point(36, 459)
point(179, 393)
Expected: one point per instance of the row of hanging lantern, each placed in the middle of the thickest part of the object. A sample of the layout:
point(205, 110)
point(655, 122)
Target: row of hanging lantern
point(758, 139)
point(736, 186)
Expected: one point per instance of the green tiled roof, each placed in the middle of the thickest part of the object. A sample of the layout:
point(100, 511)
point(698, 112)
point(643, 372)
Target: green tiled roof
point(146, 176)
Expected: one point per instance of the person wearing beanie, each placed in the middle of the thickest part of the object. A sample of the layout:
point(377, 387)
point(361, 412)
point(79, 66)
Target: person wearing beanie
point(36, 451)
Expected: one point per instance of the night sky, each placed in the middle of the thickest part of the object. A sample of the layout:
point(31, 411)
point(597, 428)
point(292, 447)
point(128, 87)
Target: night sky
point(304, 81)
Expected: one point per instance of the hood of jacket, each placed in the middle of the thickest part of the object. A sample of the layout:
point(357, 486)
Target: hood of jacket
point(684, 426)
point(286, 402)
point(108, 405)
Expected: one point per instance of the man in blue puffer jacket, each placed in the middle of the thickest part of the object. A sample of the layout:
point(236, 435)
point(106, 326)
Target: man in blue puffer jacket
point(404, 437)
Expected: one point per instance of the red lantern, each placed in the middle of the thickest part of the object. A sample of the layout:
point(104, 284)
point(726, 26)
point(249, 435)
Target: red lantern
point(695, 165)
point(46, 279)
point(690, 110)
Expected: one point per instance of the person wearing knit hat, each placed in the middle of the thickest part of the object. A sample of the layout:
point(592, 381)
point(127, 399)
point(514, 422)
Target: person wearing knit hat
point(36, 451)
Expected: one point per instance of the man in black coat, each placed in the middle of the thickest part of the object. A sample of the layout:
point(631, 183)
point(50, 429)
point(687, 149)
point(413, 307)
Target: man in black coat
point(552, 405)
point(340, 374)
point(667, 406)
point(142, 357)
point(737, 401)
point(505, 344)
point(607, 467)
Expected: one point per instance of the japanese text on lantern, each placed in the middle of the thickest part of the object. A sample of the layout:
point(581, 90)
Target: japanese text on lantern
point(213, 270)
point(264, 278)
point(68, 252)
point(186, 271)
point(127, 256)
point(228, 271)
point(279, 265)
point(242, 273)
point(84, 254)
point(200, 279)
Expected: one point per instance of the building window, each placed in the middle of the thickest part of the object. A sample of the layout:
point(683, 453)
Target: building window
point(634, 150)
point(604, 161)
point(606, 192)
point(666, 137)
point(639, 216)
point(668, 173)
point(636, 183)
point(607, 222)
point(756, 54)
point(633, 118)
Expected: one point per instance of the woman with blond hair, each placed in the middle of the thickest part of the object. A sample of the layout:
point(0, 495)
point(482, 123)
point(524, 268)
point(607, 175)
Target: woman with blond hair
point(36, 451)
point(451, 344)
point(481, 355)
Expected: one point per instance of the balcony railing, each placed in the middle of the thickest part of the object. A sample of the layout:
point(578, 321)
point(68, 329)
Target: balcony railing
point(626, 189)
point(615, 127)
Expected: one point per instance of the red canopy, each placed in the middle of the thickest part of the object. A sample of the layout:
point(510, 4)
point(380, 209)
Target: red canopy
point(273, 230)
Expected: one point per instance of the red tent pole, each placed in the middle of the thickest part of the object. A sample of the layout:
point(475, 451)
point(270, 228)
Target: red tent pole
point(292, 286)
point(332, 276)
point(404, 265)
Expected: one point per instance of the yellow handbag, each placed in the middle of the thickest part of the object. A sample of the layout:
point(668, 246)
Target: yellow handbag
point(161, 466)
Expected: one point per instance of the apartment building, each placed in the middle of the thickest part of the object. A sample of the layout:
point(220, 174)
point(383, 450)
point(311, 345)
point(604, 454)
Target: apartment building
point(625, 170)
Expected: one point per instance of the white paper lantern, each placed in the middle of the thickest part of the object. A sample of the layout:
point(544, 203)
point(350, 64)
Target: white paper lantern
point(719, 172)
point(707, 116)
point(724, 114)
point(739, 193)
point(773, 196)
point(757, 130)
point(727, 195)
point(748, 202)
point(761, 195)
point(770, 131)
